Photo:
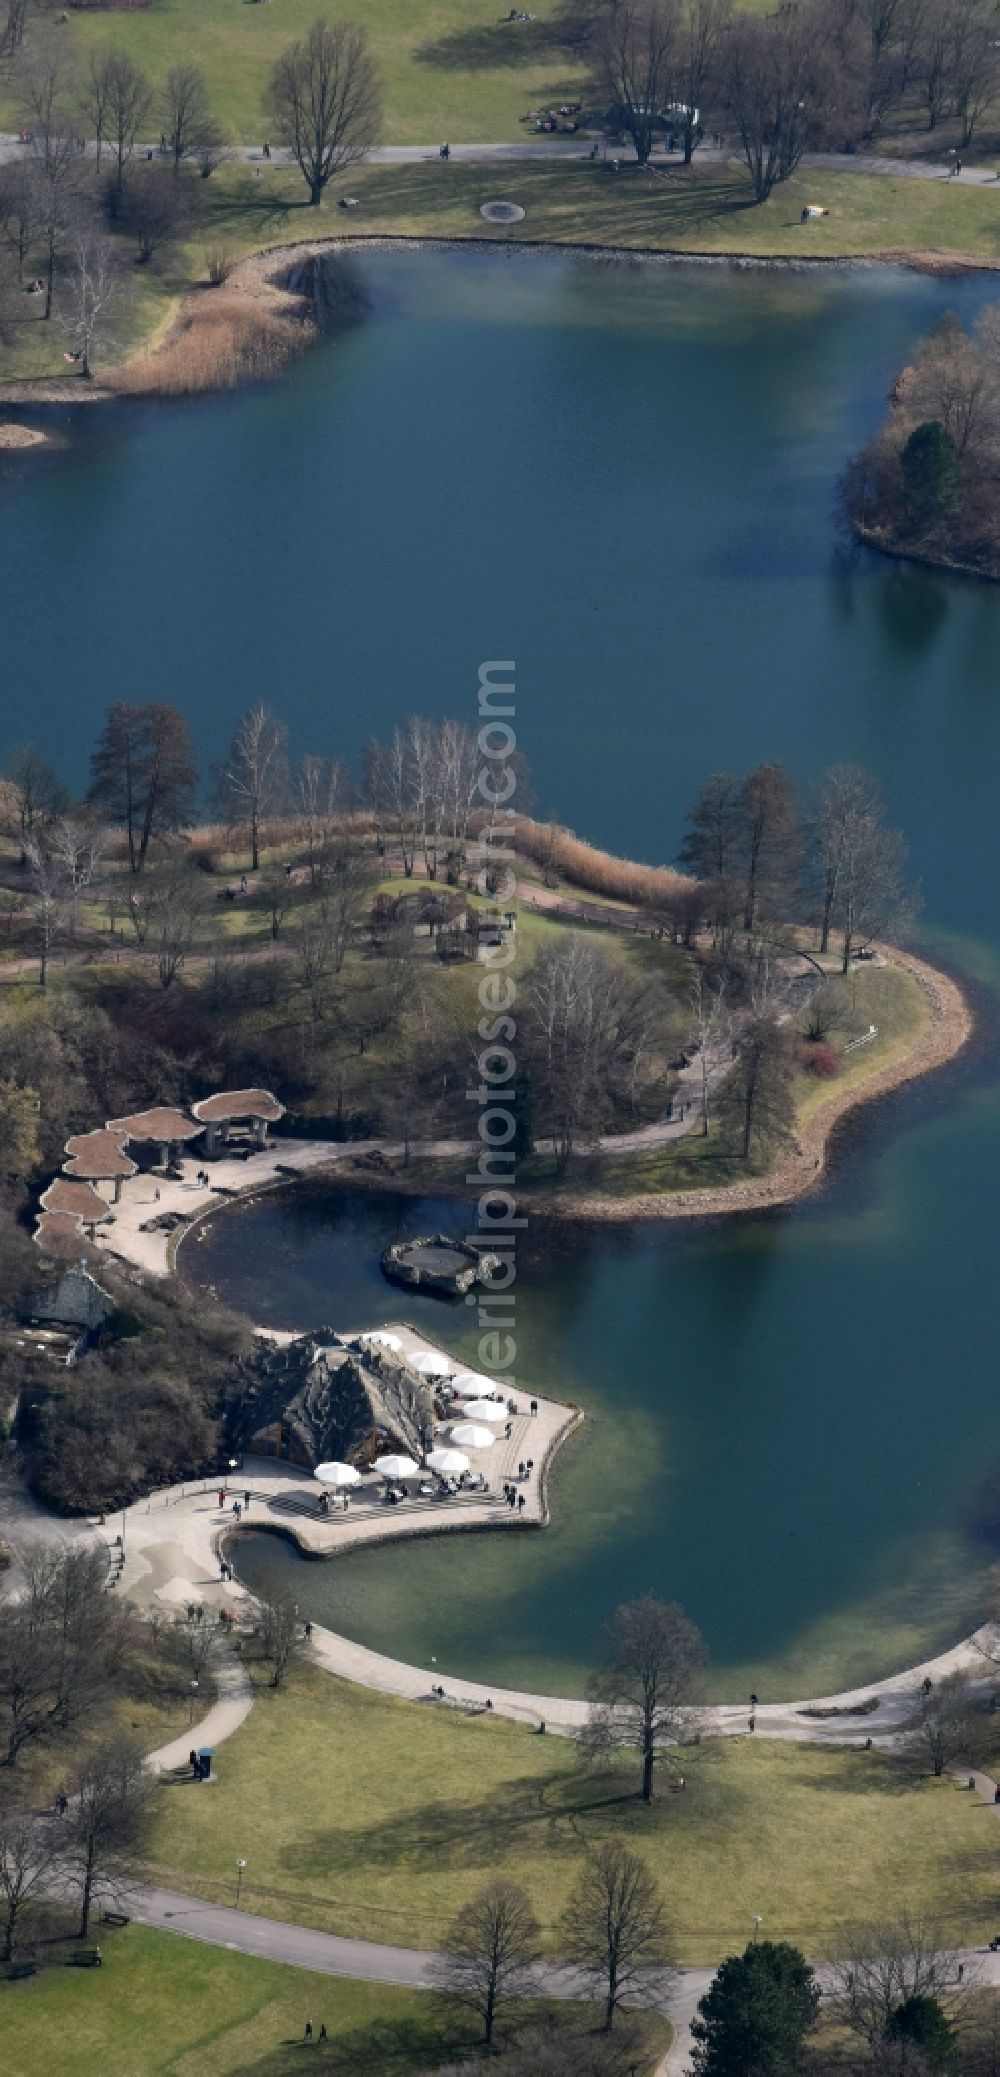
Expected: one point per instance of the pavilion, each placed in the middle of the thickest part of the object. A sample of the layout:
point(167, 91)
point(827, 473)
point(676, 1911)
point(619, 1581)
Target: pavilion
point(99, 1157)
point(60, 1234)
point(162, 1126)
point(76, 1200)
point(247, 1112)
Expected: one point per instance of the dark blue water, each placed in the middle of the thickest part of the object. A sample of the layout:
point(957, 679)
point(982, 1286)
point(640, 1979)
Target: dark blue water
point(624, 479)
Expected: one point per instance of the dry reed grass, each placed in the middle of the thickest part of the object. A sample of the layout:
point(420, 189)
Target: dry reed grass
point(221, 339)
point(566, 856)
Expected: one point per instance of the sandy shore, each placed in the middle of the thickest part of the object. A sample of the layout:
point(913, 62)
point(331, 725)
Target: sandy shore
point(13, 437)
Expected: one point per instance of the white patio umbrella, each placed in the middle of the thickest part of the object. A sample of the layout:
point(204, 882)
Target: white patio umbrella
point(467, 1385)
point(471, 1436)
point(334, 1474)
point(447, 1461)
point(431, 1363)
point(396, 1467)
point(485, 1410)
point(388, 1341)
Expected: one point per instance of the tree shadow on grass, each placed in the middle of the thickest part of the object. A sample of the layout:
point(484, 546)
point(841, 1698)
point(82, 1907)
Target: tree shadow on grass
point(865, 1774)
point(568, 203)
point(558, 1816)
point(501, 44)
point(370, 2051)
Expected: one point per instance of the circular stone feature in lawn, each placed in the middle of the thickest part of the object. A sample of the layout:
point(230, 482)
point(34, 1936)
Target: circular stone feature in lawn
point(502, 212)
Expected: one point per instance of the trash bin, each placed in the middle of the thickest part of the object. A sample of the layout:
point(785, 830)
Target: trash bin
point(206, 1754)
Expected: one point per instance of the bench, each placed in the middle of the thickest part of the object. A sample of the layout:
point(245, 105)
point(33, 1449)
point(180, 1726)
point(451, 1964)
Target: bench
point(86, 1958)
point(115, 1918)
point(19, 1970)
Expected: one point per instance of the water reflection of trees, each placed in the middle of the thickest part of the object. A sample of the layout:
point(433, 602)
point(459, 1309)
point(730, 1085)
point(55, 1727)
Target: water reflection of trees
point(341, 299)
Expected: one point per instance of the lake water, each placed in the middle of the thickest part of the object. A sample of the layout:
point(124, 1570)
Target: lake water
point(623, 477)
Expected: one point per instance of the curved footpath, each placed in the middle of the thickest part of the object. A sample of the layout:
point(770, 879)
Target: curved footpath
point(171, 1555)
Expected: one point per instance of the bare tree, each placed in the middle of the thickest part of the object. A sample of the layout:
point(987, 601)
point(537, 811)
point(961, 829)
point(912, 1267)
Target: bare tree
point(648, 1692)
point(174, 919)
point(756, 1100)
point(707, 995)
point(41, 795)
point(95, 97)
point(253, 782)
point(203, 1644)
point(975, 67)
point(79, 844)
point(61, 1642)
point(872, 894)
point(110, 1811)
point(92, 289)
point(129, 98)
point(768, 831)
point(637, 52)
point(153, 211)
point(324, 98)
point(490, 1951)
point(711, 850)
point(47, 889)
point(701, 28)
point(846, 796)
point(615, 1929)
point(877, 1968)
point(189, 126)
point(280, 1631)
point(55, 151)
point(947, 1724)
point(779, 88)
point(143, 774)
point(19, 224)
point(321, 792)
point(12, 29)
point(27, 1858)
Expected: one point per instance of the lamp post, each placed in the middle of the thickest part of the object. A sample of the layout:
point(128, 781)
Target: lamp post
point(757, 1923)
point(192, 1693)
point(240, 1865)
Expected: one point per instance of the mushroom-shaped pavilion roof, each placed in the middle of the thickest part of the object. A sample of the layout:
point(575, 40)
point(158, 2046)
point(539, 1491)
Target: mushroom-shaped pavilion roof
point(98, 1156)
point(238, 1103)
point(59, 1233)
point(163, 1122)
point(79, 1200)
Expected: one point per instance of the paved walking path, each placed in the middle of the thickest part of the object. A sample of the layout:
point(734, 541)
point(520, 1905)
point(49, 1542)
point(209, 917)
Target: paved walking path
point(560, 148)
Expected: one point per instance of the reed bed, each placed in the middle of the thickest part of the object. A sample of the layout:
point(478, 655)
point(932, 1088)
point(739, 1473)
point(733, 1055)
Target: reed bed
point(559, 852)
point(222, 339)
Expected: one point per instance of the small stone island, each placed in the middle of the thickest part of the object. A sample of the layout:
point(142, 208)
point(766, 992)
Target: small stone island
point(438, 1263)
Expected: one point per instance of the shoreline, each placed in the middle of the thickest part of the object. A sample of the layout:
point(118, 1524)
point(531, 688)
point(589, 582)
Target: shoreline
point(884, 544)
point(285, 299)
point(949, 1028)
point(366, 1164)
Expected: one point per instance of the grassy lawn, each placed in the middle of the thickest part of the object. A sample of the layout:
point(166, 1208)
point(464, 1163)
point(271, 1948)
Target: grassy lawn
point(709, 211)
point(449, 68)
point(895, 1003)
point(168, 2007)
point(379, 1818)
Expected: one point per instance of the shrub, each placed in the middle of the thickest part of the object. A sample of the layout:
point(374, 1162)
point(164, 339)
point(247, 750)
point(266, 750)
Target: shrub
point(819, 1059)
point(219, 265)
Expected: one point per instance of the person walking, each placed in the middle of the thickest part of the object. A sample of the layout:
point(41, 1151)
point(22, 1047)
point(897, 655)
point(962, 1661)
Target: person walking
point(308, 2034)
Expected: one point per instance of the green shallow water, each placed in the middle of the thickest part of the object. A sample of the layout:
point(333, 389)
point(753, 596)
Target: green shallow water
point(623, 478)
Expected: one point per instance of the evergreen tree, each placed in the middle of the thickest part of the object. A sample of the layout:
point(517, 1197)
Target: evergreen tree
point(932, 476)
point(754, 2019)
